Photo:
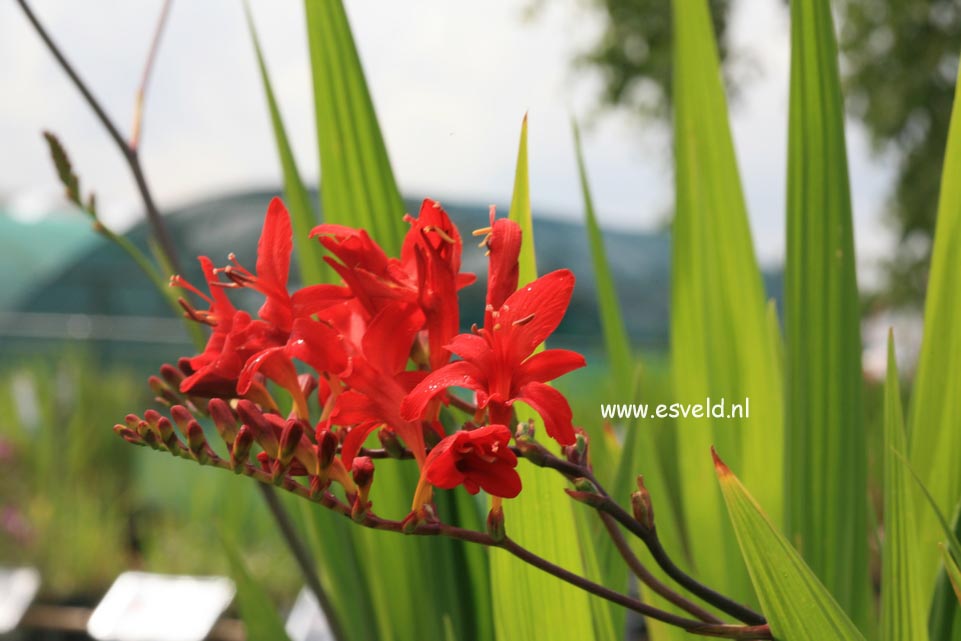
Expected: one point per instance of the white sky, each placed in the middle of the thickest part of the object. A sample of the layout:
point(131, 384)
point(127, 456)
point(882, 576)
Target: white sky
point(451, 82)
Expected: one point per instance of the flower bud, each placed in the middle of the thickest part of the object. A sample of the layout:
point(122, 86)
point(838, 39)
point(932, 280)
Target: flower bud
point(197, 442)
point(240, 451)
point(362, 470)
point(577, 453)
point(289, 440)
point(641, 505)
point(166, 433)
point(586, 492)
point(259, 426)
point(171, 375)
point(224, 419)
point(181, 416)
point(326, 448)
point(495, 522)
point(128, 435)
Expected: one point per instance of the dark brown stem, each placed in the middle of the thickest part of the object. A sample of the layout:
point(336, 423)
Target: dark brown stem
point(330, 501)
point(642, 573)
point(129, 153)
point(649, 537)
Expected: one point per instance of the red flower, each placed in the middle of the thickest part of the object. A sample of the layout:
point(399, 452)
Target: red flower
point(426, 274)
point(378, 384)
point(477, 459)
point(273, 269)
point(499, 363)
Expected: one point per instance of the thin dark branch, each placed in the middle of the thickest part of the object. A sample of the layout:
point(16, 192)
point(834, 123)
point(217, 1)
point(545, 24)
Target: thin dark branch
point(649, 537)
point(651, 581)
point(130, 154)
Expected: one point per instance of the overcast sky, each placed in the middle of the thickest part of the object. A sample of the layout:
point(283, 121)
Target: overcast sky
point(451, 82)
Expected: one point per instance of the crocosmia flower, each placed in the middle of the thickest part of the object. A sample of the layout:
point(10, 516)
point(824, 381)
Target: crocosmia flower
point(477, 459)
point(499, 363)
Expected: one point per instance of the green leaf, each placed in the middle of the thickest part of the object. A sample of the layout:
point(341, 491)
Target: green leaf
point(952, 569)
point(341, 569)
point(541, 518)
point(720, 343)
point(617, 345)
point(798, 607)
point(903, 607)
point(357, 182)
point(935, 415)
point(824, 425)
point(256, 610)
point(302, 214)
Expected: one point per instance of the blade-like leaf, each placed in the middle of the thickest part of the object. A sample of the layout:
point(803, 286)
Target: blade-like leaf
point(357, 182)
point(935, 414)
point(952, 570)
point(720, 346)
point(798, 607)
point(903, 608)
point(256, 610)
point(618, 346)
point(944, 621)
point(824, 425)
point(541, 517)
point(302, 215)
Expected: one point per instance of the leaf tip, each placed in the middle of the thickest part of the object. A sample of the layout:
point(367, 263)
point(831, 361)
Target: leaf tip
point(719, 465)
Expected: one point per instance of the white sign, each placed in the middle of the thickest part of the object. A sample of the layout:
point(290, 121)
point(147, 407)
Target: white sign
point(157, 607)
point(18, 587)
point(306, 621)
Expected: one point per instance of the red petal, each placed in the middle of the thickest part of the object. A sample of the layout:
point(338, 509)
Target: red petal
point(354, 441)
point(275, 246)
point(310, 300)
point(440, 467)
point(553, 408)
point(319, 345)
point(390, 336)
point(497, 479)
point(546, 366)
point(505, 247)
point(351, 408)
point(471, 347)
point(532, 313)
point(456, 374)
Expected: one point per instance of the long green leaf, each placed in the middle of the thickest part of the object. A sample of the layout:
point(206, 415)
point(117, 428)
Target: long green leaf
point(824, 425)
point(357, 182)
point(256, 609)
point(798, 607)
point(944, 621)
point(417, 587)
point(935, 413)
point(952, 569)
point(617, 345)
point(903, 607)
point(541, 518)
point(302, 214)
point(720, 346)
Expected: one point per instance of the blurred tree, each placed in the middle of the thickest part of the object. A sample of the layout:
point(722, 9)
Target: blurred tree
point(899, 65)
point(633, 52)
